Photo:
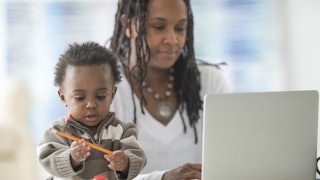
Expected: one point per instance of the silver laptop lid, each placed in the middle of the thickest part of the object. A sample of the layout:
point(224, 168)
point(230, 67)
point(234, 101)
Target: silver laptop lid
point(257, 136)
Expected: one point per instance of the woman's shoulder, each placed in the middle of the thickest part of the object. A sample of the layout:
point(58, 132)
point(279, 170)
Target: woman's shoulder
point(212, 77)
point(210, 71)
point(205, 66)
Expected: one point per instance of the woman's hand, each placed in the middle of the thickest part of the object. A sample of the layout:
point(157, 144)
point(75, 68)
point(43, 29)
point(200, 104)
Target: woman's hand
point(186, 171)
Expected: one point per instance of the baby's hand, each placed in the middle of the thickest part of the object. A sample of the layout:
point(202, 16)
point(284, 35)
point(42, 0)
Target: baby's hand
point(118, 161)
point(79, 152)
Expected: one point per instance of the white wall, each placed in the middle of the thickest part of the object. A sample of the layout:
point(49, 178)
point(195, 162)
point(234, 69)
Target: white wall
point(302, 19)
point(303, 43)
point(2, 42)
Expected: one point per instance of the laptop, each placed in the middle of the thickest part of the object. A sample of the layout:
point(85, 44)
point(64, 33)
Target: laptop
point(260, 136)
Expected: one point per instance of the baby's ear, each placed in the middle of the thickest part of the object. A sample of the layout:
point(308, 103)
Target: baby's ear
point(62, 97)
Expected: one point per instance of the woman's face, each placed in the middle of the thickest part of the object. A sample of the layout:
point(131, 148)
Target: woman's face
point(166, 26)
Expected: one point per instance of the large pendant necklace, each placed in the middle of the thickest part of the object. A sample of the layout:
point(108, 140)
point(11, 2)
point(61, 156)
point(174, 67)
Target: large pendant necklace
point(164, 109)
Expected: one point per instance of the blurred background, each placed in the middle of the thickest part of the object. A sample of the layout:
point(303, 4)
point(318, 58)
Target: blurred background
point(267, 45)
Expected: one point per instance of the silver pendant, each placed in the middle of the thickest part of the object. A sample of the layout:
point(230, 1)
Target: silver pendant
point(165, 110)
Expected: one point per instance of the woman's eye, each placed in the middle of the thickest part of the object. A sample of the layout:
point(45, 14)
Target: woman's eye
point(101, 97)
point(158, 27)
point(181, 29)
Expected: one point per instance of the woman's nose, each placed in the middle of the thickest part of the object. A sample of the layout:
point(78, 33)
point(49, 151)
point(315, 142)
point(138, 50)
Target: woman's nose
point(171, 37)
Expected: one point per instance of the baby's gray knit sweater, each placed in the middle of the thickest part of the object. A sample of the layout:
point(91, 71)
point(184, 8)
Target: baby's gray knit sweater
point(113, 134)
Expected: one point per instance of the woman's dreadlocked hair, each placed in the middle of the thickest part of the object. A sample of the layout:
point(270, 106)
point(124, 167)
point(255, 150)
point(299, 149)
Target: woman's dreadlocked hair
point(187, 76)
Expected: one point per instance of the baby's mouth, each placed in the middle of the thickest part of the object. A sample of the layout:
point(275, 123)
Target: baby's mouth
point(91, 118)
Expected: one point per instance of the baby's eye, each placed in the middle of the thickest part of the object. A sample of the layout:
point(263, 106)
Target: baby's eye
point(79, 98)
point(101, 97)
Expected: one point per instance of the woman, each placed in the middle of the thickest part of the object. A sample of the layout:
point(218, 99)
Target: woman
point(154, 41)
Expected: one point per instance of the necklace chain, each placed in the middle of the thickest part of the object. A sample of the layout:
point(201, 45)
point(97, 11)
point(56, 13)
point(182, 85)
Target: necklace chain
point(164, 109)
point(168, 92)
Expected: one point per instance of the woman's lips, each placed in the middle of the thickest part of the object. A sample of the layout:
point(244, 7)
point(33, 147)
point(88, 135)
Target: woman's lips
point(168, 53)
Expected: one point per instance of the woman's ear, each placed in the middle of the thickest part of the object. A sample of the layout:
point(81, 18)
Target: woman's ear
point(62, 97)
point(123, 20)
point(114, 91)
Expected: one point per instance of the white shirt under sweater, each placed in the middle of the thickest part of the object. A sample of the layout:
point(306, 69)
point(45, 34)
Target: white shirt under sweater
point(167, 147)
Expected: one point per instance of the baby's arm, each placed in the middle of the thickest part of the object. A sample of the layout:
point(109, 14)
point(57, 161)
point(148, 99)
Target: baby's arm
point(133, 151)
point(54, 154)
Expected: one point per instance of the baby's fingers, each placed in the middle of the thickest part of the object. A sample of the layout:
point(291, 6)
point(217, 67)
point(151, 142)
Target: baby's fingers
point(79, 150)
point(117, 161)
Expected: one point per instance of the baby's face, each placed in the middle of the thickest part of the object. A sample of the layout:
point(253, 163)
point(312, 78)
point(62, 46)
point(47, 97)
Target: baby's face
point(87, 91)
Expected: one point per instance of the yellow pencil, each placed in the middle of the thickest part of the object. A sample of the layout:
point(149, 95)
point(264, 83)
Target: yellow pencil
point(76, 139)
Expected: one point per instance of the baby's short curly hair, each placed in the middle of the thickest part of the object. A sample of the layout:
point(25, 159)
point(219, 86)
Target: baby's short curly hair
point(88, 53)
